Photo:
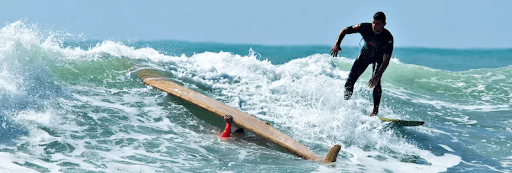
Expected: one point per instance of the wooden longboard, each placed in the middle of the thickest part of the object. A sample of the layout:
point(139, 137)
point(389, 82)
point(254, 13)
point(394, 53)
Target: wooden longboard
point(403, 122)
point(240, 119)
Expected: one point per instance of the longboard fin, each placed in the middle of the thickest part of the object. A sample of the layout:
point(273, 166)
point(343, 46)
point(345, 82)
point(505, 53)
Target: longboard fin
point(332, 154)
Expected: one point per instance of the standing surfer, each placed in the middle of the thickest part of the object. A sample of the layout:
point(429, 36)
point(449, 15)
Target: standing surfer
point(377, 51)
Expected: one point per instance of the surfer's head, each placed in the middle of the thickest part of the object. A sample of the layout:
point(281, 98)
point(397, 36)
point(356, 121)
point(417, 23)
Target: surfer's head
point(379, 21)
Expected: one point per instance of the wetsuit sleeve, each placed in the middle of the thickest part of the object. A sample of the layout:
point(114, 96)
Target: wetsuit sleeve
point(353, 29)
point(388, 47)
point(227, 131)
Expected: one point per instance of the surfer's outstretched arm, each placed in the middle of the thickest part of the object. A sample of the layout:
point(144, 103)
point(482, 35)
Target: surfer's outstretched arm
point(334, 50)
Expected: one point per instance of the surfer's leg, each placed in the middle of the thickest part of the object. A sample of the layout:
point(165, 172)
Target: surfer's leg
point(377, 94)
point(357, 69)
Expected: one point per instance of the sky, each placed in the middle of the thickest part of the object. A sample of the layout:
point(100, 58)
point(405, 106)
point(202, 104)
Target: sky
point(428, 23)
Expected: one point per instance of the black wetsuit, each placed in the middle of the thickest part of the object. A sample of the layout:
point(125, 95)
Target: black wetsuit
point(376, 45)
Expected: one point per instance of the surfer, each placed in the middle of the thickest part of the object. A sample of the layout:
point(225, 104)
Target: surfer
point(376, 51)
point(227, 130)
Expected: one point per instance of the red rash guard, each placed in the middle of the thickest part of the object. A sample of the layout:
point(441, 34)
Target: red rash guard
point(227, 131)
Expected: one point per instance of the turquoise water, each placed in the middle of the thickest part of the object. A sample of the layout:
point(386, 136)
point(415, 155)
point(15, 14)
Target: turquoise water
point(78, 106)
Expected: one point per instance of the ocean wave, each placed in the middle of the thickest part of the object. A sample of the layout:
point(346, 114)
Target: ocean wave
point(84, 107)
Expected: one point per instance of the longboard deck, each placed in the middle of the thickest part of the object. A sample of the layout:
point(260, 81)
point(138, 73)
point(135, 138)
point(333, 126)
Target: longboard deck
point(402, 122)
point(240, 119)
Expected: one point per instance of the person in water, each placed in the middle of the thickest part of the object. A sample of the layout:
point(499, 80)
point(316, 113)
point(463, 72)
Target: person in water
point(376, 51)
point(227, 130)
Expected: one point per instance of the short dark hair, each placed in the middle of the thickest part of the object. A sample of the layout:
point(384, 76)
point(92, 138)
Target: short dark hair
point(380, 16)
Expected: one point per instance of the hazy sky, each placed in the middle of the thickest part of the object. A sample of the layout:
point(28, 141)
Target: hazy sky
point(428, 23)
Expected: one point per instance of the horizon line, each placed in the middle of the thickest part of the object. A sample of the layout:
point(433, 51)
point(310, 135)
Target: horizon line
point(263, 44)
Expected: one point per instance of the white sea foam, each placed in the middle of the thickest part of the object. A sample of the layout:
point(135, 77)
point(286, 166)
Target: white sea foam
point(10, 35)
point(463, 119)
point(31, 118)
point(11, 83)
point(371, 161)
point(507, 162)
point(98, 102)
point(446, 147)
point(10, 163)
point(303, 97)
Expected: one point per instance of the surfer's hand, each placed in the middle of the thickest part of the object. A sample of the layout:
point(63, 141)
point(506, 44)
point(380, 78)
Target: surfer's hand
point(228, 119)
point(373, 82)
point(334, 50)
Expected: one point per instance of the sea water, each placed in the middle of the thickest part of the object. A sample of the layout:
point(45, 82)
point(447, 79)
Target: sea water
point(78, 106)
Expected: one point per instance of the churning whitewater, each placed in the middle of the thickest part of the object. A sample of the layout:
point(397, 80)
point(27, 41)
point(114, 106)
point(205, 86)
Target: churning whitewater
point(78, 106)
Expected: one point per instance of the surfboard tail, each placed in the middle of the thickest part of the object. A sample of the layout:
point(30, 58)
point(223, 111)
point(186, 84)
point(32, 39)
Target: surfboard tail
point(332, 154)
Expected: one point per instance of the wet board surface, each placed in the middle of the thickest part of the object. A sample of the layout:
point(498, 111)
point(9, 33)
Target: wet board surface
point(241, 119)
point(402, 122)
